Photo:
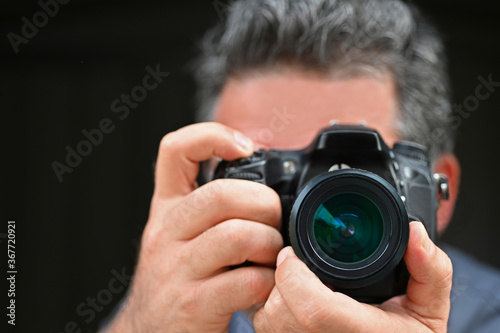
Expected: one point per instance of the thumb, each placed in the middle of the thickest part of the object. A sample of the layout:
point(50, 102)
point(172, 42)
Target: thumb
point(428, 293)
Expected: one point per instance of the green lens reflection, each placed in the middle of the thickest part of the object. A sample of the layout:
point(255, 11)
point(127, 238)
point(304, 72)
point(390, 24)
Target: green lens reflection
point(348, 227)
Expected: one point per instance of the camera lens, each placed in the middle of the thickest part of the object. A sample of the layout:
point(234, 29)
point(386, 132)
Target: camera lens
point(348, 227)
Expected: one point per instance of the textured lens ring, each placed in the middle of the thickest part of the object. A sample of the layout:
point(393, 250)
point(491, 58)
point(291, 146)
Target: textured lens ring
point(394, 242)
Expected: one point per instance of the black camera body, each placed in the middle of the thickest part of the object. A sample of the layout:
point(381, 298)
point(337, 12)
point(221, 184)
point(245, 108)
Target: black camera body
point(347, 200)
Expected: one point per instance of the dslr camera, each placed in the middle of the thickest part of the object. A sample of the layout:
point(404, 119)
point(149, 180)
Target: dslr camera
point(347, 201)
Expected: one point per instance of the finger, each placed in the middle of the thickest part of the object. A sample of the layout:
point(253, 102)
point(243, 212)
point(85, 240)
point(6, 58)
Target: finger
point(428, 293)
point(182, 150)
point(275, 316)
point(236, 290)
point(221, 200)
point(232, 243)
point(316, 308)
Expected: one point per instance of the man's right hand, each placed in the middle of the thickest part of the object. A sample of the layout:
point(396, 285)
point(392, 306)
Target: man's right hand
point(182, 281)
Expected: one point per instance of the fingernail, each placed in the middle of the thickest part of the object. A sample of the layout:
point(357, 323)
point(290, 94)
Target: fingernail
point(282, 256)
point(246, 145)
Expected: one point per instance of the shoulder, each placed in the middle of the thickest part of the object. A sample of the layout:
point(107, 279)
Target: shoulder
point(475, 295)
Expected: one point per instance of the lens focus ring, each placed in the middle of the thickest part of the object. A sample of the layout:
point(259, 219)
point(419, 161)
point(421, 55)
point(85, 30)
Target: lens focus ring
point(350, 227)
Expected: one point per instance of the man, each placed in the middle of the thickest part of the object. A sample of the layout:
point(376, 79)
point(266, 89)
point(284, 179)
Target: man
point(273, 75)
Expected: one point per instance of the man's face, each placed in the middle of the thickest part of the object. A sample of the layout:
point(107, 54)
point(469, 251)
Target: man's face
point(286, 110)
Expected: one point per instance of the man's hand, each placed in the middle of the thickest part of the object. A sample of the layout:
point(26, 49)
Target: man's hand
point(182, 281)
point(301, 303)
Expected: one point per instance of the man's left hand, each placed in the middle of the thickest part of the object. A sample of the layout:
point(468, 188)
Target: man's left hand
point(300, 302)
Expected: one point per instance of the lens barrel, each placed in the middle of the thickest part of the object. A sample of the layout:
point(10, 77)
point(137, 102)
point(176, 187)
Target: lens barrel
point(350, 227)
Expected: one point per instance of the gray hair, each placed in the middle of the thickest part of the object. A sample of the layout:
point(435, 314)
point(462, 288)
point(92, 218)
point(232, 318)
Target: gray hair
point(345, 38)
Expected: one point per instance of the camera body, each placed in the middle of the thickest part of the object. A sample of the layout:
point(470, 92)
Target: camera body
point(347, 201)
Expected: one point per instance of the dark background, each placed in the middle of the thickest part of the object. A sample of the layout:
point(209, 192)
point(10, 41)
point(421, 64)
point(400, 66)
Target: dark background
point(71, 235)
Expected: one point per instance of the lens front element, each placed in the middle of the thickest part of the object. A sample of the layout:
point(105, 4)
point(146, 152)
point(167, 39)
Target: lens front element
point(348, 227)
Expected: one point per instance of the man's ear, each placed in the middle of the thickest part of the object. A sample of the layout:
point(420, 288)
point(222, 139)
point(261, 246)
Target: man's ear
point(447, 164)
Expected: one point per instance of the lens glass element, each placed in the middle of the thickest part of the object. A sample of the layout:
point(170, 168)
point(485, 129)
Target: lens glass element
point(348, 227)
